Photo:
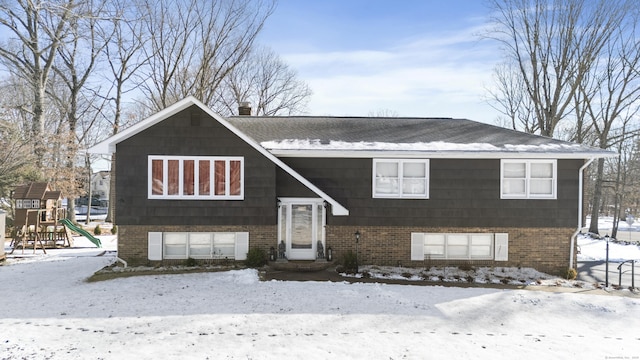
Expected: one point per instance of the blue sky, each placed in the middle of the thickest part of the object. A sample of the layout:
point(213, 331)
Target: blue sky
point(412, 57)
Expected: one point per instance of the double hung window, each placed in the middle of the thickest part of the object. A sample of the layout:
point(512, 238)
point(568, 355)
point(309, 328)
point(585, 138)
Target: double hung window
point(528, 179)
point(196, 177)
point(401, 178)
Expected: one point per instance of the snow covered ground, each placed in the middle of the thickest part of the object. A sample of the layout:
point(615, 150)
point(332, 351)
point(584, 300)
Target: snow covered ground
point(51, 312)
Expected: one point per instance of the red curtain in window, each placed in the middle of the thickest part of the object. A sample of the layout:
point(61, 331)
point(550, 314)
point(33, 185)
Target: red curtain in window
point(235, 185)
point(174, 177)
point(204, 177)
point(188, 177)
point(156, 177)
point(219, 177)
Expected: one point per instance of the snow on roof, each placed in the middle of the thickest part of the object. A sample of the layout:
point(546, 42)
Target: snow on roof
point(317, 144)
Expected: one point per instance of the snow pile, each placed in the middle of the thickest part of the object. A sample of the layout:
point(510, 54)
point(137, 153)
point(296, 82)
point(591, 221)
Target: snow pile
point(472, 275)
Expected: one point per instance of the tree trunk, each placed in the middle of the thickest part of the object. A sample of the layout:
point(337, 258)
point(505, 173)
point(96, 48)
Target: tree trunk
point(597, 197)
point(87, 163)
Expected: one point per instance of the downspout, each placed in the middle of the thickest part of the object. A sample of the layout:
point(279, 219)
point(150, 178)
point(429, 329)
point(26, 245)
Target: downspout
point(580, 201)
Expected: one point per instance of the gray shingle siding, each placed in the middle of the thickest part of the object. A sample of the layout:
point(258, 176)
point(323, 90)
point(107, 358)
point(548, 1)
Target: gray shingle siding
point(463, 193)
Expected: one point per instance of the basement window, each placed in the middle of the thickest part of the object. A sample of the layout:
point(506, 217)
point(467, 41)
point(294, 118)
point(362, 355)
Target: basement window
point(459, 246)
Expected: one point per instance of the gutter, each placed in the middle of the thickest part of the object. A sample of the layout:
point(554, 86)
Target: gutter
point(580, 202)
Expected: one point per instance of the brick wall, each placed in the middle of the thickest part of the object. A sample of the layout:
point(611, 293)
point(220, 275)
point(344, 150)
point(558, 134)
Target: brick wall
point(133, 248)
point(545, 249)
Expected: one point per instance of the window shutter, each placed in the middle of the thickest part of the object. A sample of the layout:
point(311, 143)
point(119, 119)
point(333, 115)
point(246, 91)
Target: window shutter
point(502, 247)
point(154, 246)
point(417, 246)
point(242, 245)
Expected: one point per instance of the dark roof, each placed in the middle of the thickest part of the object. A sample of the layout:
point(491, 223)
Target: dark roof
point(34, 190)
point(52, 195)
point(398, 130)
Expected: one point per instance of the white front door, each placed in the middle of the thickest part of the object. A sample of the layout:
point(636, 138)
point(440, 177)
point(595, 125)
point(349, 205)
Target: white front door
point(301, 226)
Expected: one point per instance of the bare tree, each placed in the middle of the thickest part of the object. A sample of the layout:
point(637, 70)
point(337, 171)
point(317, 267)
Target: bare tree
point(36, 29)
point(76, 61)
point(608, 97)
point(196, 45)
point(554, 45)
point(125, 56)
point(267, 82)
point(511, 100)
point(16, 157)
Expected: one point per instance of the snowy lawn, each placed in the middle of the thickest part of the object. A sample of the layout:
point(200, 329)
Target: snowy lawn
point(51, 312)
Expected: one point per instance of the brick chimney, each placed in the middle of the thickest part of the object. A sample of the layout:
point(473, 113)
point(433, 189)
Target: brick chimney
point(244, 108)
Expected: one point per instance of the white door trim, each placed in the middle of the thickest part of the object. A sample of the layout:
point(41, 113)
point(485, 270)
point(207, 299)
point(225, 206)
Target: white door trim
point(317, 205)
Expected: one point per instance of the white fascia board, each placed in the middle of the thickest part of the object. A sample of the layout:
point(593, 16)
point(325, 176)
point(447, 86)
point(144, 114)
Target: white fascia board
point(108, 146)
point(439, 154)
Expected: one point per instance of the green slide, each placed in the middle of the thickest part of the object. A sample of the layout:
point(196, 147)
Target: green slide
point(81, 231)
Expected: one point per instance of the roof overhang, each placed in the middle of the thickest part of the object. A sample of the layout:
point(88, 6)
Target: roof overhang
point(108, 146)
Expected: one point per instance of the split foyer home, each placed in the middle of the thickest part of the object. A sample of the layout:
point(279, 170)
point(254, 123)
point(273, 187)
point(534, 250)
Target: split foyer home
point(418, 191)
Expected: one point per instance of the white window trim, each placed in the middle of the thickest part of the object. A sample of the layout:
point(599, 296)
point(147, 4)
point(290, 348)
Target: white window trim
point(400, 163)
point(527, 194)
point(418, 244)
point(196, 196)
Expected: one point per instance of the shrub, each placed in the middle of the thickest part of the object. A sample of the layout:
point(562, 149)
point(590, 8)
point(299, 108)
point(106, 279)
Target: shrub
point(256, 258)
point(350, 261)
point(570, 274)
point(97, 230)
point(114, 230)
point(190, 262)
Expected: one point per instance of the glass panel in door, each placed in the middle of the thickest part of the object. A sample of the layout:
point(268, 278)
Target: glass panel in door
point(301, 227)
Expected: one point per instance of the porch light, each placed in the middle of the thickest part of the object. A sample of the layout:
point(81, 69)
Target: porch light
point(272, 254)
point(329, 254)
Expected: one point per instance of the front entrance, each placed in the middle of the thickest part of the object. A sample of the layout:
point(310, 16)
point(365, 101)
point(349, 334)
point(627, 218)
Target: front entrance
point(301, 226)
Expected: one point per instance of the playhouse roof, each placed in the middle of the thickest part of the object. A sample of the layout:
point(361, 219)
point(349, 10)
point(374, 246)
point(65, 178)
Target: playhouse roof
point(36, 190)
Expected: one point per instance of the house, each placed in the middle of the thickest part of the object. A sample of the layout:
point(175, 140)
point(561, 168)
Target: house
point(100, 181)
point(418, 191)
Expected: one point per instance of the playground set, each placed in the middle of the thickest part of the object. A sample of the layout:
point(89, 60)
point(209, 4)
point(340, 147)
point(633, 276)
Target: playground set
point(40, 220)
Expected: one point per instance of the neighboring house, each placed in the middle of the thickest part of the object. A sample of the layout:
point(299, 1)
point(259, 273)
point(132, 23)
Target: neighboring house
point(100, 185)
point(419, 191)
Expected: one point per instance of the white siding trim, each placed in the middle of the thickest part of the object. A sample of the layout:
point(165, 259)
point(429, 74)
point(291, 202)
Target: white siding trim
point(501, 247)
point(242, 245)
point(417, 246)
point(154, 251)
